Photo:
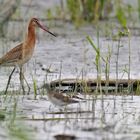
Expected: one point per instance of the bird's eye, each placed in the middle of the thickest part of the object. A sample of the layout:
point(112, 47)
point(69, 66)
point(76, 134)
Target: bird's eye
point(35, 20)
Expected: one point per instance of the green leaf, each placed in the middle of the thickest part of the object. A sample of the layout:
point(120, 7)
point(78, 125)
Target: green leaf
point(93, 45)
point(121, 17)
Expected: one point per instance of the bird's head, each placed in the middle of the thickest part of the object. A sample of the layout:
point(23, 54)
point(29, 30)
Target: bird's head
point(35, 22)
point(47, 86)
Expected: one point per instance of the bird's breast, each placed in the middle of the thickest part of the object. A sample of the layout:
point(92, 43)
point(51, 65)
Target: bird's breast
point(27, 54)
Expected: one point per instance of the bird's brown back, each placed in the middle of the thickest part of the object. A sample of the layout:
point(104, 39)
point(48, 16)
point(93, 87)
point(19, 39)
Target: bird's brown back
point(62, 97)
point(12, 56)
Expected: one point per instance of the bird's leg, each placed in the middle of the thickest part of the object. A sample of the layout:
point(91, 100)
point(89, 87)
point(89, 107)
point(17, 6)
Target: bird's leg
point(9, 80)
point(26, 83)
point(21, 79)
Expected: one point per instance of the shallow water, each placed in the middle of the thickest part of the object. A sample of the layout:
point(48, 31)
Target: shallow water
point(107, 117)
point(71, 56)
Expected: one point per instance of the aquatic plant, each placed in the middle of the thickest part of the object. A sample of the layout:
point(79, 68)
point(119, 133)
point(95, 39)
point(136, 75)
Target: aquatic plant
point(9, 117)
point(129, 60)
point(106, 60)
point(139, 8)
point(34, 87)
point(119, 36)
point(120, 14)
point(117, 59)
point(87, 10)
point(75, 11)
point(97, 62)
point(99, 58)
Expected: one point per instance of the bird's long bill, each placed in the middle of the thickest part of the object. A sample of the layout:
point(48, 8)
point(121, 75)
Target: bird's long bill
point(45, 29)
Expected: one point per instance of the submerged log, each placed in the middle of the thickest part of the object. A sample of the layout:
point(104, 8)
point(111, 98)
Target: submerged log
point(91, 85)
point(7, 8)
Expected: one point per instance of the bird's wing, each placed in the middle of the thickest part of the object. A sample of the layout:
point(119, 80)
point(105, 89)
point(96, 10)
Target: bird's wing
point(13, 55)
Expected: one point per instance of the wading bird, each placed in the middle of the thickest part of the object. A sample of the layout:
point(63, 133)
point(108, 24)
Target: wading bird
point(59, 99)
point(22, 53)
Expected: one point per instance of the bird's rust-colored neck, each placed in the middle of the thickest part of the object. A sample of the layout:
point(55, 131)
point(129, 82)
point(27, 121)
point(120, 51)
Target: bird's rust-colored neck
point(31, 36)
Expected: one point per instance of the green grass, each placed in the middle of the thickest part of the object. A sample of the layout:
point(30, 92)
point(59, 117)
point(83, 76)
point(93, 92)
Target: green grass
point(139, 8)
point(35, 88)
point(87, 10)
point(11, 122)
point(97, 61)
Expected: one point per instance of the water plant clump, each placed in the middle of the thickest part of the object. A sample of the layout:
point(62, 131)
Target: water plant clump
point(88, 10)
